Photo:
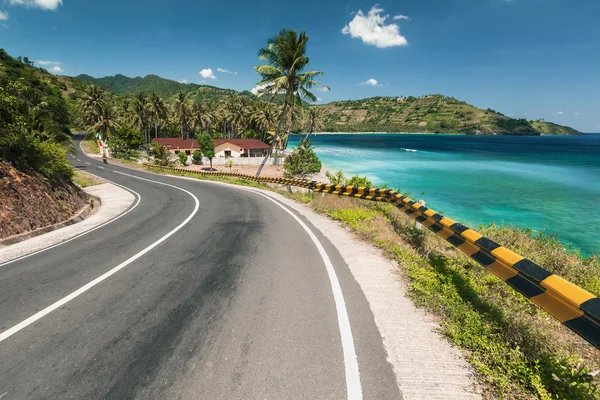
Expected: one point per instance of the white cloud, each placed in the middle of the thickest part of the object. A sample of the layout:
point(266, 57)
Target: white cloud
point(322, 89)
point(319, 99)
point(576, 113)
point(560, 113)
point(371, 82)
point(235, 73)
point(371, 28)
point(3, 16)
point(223, 70)
point(183, 81)
point(207, 73)
point(56, 69)
point(46, 63)
point(255, 89)
point(399, 17)
point(203, 81)
point(43, 4)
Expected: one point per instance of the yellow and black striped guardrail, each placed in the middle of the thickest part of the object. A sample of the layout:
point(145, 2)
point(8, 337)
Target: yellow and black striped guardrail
point(573, 306)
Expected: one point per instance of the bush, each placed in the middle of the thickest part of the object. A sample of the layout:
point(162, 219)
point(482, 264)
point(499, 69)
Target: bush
point(160, 154)
point(182, 157)
point(359, 181)
point(303, 162)
point(197, 157)
point(336, 179)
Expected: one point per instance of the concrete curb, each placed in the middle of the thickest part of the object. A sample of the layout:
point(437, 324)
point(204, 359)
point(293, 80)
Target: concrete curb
point(89, 209)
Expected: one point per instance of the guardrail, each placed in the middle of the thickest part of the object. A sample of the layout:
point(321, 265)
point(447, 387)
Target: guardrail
point(573, 306)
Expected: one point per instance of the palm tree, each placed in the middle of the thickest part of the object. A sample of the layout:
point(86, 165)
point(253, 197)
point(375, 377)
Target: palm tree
point(90, 104)
point(202, 116)
point(141, 116)
point(106, 124)
point(313, 120)
point(286, 57)
point(182, 111)
point(158, 112)
point(125, 109)
point(264, 117)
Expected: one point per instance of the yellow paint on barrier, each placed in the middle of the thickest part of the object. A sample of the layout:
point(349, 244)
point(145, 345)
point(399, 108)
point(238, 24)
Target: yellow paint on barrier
point(557, 308)
point(561, 287)
point(502, 271)
point(507, 255)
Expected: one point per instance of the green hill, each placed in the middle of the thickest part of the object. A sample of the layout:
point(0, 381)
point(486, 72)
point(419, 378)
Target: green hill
point(165, 88)
point(428, 114)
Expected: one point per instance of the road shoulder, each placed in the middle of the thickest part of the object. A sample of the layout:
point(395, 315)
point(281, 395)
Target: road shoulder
point(114, 201)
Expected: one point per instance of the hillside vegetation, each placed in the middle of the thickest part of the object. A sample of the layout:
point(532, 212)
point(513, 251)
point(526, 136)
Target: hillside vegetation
point(165, 88)
point(428, 114)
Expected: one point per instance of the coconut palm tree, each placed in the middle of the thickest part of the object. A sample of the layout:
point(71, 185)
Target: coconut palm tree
point(202, 116)
point(264, 117)
point(158, 112)
point(286, 58)
point(90, 105)
point(182, 112)
point(141, 117)
point(313, 120)
point(106, 124)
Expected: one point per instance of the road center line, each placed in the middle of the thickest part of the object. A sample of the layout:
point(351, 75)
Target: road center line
point(5, 335)
point(100, 167)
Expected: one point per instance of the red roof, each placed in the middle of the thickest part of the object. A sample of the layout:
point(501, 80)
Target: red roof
point(243, 143)
point(177, 143)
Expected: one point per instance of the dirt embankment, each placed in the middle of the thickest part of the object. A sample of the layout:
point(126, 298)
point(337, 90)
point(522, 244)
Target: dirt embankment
point(30, 202)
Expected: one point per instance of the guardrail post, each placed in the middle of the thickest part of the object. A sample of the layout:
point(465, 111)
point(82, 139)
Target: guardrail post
point(418, 224)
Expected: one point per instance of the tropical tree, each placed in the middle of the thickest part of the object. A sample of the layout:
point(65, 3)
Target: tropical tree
point(264, 117)
point(107, 123)
point(286, 59)
point(158, 112)
point(182, 111)
point(141, 116)
point(313, 120)
point(202, 117)
point(303, 162)
point(207, 147)
point(90, 104)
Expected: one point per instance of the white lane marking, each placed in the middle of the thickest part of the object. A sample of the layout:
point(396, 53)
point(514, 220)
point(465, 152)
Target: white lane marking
point(88, 163)
point(100, 167)
point(5, 335)
point(139, 198)
point(78, 159)
point(353, 386)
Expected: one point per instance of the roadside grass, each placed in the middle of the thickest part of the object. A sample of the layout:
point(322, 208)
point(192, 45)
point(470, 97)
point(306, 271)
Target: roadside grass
point(90, 146)
point(85, 180)
point(517, 350)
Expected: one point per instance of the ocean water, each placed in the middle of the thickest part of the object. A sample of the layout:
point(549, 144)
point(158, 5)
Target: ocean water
point(543, 182)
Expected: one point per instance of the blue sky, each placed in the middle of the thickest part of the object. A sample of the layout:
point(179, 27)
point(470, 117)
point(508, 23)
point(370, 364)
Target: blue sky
point(525, 58)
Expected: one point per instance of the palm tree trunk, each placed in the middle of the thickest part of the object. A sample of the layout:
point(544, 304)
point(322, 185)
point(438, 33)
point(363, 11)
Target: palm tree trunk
point(285, 105)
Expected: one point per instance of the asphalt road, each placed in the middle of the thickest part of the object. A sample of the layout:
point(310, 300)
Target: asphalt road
point(202, 291)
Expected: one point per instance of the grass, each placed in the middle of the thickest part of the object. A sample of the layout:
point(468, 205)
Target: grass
point(85, 180)
point(90, 146)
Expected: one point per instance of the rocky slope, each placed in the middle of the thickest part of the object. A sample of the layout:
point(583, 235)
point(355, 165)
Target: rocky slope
point(29, 202)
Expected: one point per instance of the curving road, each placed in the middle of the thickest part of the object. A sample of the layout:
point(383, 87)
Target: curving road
point(200, 291)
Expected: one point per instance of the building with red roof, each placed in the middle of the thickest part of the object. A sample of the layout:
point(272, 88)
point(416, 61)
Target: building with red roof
point(224, 148)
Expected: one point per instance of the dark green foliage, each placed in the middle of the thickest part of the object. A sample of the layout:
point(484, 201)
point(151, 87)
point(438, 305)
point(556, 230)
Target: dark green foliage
point(33, 122)
point(182, 157)
point(360, 181)
point(160, 154)
point(125, 142)
point(207, 146)
point(165, 88)
point(197, 157)
point(340, 179)
point(303, 162)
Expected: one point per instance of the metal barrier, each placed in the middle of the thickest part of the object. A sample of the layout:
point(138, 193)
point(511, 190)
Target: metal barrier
point(574, 307)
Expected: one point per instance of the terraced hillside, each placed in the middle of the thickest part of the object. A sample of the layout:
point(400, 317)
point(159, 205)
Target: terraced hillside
point(428, 114)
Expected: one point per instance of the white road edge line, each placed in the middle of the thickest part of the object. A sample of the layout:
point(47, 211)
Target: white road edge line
point(5, 335)
point(100, 167)
point(353, 386)
point(139, 198)
point(88, 163)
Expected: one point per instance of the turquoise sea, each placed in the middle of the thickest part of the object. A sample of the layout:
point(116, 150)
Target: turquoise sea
point(543, 182)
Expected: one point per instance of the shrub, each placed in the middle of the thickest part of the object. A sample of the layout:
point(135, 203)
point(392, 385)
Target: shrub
point(197, 157)
point(303, 162)
point(336, 179)
point(359, 181)
point(182, 157)
point(229, 164)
